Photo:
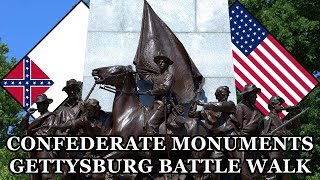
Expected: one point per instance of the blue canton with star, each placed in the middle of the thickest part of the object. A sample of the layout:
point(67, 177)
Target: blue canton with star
point(246, 31)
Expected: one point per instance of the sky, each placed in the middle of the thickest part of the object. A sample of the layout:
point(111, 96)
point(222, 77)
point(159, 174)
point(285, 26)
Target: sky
point(25, 22)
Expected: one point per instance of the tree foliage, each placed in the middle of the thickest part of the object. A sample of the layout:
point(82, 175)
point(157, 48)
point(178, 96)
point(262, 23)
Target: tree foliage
point(10, 115)
point(310, 123)
point(5, 157)
point(9, 108)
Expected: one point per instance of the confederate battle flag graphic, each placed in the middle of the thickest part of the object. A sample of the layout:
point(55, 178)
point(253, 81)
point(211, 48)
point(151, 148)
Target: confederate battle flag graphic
point(26, 81)
point(58, 57)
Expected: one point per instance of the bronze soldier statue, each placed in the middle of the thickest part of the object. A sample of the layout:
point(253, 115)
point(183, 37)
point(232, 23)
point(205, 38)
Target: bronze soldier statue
point(72, 108)
point(94, 122)
point(221, 118)
point(247, 114)
point(220, 114)
point(271, 122)
point(162, 84)
point(248, 118)
point(45, 120)
point(69, 111)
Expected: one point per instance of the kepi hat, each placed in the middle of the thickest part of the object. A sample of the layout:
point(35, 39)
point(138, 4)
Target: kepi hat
point(72, 83)
point(276, 98)
point(250, 88)
point(42, 98)
point(226, 88)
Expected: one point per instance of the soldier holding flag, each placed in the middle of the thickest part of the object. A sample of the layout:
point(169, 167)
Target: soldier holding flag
point(162, 84)
point(161, 54)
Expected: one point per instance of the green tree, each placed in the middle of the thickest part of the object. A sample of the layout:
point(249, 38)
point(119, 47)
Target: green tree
point(5, 157)
point(10, 115)
point(310, 123)
point(9, 108)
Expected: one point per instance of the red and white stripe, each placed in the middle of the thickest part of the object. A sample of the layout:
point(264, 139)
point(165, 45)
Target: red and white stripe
point(271, 68)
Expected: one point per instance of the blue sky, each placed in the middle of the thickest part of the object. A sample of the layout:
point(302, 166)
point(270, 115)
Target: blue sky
point(25, 22)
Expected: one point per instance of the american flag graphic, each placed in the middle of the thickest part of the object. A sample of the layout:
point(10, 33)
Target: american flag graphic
point(259, 59)
point(25, 81)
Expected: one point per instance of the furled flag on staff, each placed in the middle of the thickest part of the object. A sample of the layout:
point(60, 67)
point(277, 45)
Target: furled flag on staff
point(156, 38)
point(58, 57)
point(260, 59)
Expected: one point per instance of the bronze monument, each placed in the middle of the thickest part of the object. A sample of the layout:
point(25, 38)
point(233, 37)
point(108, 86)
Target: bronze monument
point(162, 61)
point(273, 121)
point(46, 120)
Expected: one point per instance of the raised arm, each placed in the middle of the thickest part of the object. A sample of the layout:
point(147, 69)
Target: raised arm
point(24, 124)
point(228, 107)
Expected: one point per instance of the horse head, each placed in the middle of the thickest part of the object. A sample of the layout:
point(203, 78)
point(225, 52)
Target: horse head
point(111, 75)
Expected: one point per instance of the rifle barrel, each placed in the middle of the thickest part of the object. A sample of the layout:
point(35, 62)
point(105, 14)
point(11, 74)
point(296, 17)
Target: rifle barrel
point(92, 88)
point(289, 121)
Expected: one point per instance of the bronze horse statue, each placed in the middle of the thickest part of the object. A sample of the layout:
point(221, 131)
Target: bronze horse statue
point(129, 116)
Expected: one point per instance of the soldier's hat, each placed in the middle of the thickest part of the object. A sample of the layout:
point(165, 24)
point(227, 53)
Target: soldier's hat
point(72, 83)
point(42, 98)
point(275, 99)
point(250, 88)
point(160, 56)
